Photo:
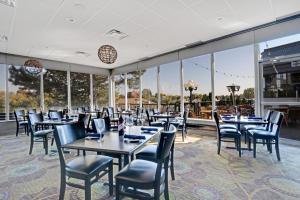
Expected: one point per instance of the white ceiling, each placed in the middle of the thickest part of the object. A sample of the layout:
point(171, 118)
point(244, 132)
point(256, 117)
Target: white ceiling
point(39, 28)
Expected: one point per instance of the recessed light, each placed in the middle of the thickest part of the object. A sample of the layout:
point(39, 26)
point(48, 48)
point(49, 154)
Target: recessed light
point(3, 38)
point(70, 19)
point(220, 18)
point(82, 53)
point(116, 34)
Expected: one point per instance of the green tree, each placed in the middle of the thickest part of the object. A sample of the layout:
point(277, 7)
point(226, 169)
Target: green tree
point(249, 93)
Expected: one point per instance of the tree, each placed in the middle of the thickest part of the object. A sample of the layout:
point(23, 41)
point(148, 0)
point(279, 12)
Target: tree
point(249, 93)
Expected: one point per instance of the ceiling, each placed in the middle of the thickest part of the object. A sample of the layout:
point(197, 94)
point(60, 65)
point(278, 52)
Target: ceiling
point(57, 29)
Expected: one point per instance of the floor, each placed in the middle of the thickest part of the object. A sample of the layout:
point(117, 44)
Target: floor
point(200, 172)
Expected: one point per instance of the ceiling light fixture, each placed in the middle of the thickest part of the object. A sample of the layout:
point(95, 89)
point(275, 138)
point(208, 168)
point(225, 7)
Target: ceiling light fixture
point(116, 34)
point(70, 19)
point(220, 18)
point(3, 38)
point(33, 66)
point(107, 54)
point(10, 3)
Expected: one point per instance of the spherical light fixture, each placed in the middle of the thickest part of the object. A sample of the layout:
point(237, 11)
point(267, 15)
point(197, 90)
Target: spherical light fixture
point(33, 66)
point(107, 54)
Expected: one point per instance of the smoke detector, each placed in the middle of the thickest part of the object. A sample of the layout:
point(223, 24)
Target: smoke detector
point(10, 3)
point(116, 34)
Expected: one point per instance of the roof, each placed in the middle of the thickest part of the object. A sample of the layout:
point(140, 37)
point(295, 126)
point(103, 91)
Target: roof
point(283, 50)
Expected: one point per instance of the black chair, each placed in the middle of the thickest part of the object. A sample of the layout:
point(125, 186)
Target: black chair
point(271, 136)
point(37, 135)
point(89, 168)
point(227, 134)
point(147, 175)
point(21, 121)
point(152, 122)
point(180, 124)
point(86, 119)
point(149, 153)
point(56, 115)
point(260, 127)
point(110, 118)
point(31, 111)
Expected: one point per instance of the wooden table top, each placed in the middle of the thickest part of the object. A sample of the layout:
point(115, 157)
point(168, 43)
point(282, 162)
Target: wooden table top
point(112, 143)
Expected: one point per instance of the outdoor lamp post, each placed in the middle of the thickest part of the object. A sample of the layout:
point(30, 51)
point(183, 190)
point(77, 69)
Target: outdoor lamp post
point(190, 86)
point(233, 89)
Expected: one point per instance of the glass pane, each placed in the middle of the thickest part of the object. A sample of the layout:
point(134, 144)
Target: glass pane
point(24, 89)
point(2, 91)
point(80, 90)
point(149, 84)
point(170, 87)
point(235, 68)
point(55, 90)
point(100, 91)
point(133, 93)
point(197, 70)
point(120, 91)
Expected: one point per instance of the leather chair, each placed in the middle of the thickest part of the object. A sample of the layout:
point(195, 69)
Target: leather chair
point(271, 136)
point(89, 168)
point(149, 153)
point(21, 121)
point(154, 123)
point(180, 124)
point(144, 175)
point(260, 127)
point(231, 135)
point(37, 135)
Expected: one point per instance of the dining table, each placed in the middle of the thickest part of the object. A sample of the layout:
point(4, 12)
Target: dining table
point(112, 143)
point(166, 116)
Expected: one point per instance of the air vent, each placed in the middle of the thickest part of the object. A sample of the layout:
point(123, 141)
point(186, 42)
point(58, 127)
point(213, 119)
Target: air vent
point(82, 53)
point(10, 3)
point(116, 34)
point(3, 38)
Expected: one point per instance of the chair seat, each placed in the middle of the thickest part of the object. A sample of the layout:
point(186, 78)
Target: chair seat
point(147, 153)
point(256, 127)
point(229, 132)
point(139, 173)
point(42, 133)
point(227, 126)
point(157, 123)
point(23, 122)
point(262, 133)
point(88, 165)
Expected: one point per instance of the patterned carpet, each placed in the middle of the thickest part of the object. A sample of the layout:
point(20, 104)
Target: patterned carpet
point(200, 172)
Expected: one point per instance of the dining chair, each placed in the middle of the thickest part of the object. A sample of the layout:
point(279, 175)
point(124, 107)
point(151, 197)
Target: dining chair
point(86, 119)
point(152, 122)
point(36, 134)
point(88, 168)
point(180, 124)
point(140, 175)
point(100, 127)
point(31, 110)
point(229, 135)
point(21, 121)
point(149, 153)
point(271, 136)
point(57, 115)
point(266, 118)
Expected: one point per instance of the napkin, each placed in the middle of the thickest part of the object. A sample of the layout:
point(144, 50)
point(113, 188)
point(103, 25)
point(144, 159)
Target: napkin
point(149, 129)
point(135, 137)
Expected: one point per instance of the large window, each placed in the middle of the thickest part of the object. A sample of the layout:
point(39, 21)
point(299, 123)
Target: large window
point(149, 85)
point(2, 91)
point(133, 93)
point(120, 91)
point(197, 70)
point(24, 89)
point(100, 91)
point(80, 90)
point(170, 87)
point(55, 90)
point(235, 67)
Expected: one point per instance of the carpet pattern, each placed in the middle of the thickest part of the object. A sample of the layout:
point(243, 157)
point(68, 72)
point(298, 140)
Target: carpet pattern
point(200, 172)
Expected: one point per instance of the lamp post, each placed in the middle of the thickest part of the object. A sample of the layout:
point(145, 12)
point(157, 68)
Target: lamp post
point(190, 86)
point(233, 89)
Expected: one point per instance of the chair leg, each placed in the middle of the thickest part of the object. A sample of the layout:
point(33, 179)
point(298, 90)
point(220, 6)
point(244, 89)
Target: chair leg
point(182, 133)
point(62, 186)
point(87, 189)
point(46, 144)
point(31, 145)
point(219, 145)
point(111, 179)
point(277, 149)
point(245, 137)
point(117, 190)
point(52, 141)
point(17, 130)
point(254, 147)
point(239, 146)
point(249, 143)
point(172, 166)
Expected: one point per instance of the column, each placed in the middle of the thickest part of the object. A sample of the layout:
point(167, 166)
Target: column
point(258, 78)
point(158, 88)
point(91, 93)
point(140, 90)
point(212, 66)
point(126, 91)
point(42, 100)
point(181, 88)
point(69, 90)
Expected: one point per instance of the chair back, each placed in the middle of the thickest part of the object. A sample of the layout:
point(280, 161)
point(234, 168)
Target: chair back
point(66, 134)
point(99, 125)
point(275, 122)
point(56, 115)
point(19, 115)
point(165, 144)
point(172, 128)
point(216, 119)
point(268, 115)
point(148, 117)
point(110, 111)
point(32, 120)
point(85, 118)
point(31, 111)
point(50, 111)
